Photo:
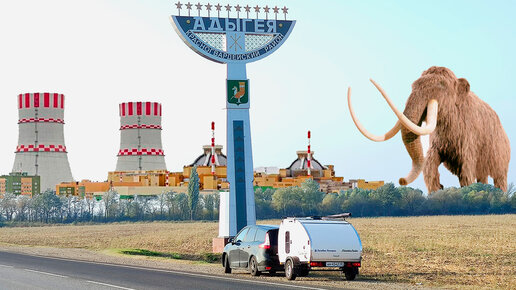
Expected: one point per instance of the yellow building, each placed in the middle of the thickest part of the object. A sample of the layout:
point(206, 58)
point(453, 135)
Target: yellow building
point(298, 172)
point(361, 183)
point(155, 182)
point(209, 181)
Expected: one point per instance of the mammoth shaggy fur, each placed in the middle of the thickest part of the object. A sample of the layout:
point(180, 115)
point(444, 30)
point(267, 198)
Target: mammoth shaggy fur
point(468, 137)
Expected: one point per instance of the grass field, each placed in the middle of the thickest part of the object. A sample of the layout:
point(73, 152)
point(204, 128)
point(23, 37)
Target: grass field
point(449, 251)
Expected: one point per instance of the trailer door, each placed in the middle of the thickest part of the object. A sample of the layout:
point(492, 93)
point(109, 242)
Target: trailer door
point(332, 241)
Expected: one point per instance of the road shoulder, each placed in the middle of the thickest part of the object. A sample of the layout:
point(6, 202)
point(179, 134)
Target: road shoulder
point(112, 257)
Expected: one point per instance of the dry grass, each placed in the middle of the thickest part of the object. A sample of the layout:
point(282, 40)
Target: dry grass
point(170, 237)
point(449, 251)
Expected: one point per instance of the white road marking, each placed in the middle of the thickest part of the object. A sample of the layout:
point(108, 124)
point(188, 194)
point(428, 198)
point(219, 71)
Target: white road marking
point(179, 272)
point(109, 285)
point(6, 266)
point(46, 273)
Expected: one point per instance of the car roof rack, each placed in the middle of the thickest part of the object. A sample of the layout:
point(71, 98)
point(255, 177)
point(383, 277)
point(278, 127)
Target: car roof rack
point(340, 216)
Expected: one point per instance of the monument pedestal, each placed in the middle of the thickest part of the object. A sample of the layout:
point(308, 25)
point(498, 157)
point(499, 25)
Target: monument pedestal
point(219, 243)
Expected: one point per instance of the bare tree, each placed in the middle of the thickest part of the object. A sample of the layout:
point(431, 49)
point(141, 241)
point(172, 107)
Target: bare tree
point(8, 205)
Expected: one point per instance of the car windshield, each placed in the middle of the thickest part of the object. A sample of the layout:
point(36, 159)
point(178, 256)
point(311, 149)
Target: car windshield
point(241, 235)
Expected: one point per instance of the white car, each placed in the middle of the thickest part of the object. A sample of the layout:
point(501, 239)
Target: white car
point(310, 244)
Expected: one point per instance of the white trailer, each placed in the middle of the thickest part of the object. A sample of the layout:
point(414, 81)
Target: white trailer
point(319, 244)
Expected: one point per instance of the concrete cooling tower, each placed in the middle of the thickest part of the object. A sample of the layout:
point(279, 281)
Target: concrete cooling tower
point(140, 137)
point(41, 148)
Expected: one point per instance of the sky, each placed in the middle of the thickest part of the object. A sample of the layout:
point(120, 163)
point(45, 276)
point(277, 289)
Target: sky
point(100, 53)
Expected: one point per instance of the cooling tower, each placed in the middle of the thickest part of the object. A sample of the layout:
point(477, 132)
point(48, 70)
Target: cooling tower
point(41, 148)
point(140, 137)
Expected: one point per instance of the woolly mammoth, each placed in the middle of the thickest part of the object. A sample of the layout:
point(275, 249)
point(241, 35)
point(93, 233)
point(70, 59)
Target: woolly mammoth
point(465, 132)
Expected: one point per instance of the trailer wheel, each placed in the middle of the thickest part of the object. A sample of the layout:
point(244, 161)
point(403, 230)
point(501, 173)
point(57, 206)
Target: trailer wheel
point(253, 267)
point(350, 274)
point(227, 268)
point(290, 271)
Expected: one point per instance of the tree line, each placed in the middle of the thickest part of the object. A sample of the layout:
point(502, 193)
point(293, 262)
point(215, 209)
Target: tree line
point(388, 200)
point(305, 200)
point(51, 208)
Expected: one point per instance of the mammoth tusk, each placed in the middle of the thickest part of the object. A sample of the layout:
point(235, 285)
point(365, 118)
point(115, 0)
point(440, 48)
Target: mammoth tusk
point(364, 132)
point(431, 115)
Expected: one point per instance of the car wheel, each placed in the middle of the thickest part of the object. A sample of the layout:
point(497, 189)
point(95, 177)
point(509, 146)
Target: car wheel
point(253, 267)
point(290, 272)
point(303, 272)
point(227, 269)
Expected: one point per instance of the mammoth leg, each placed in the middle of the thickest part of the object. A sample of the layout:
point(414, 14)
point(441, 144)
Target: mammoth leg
point(466, 176)
point(482, 179)
point(501, 182)
point(431, 170)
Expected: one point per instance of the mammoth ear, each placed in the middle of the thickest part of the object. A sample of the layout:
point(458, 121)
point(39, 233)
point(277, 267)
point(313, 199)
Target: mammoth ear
point(463, 86)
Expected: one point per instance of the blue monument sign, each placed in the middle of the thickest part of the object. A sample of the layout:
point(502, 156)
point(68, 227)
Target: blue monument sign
point(235, 42)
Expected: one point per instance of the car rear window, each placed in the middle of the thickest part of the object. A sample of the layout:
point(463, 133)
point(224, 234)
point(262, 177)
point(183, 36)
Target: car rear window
point(260, 235)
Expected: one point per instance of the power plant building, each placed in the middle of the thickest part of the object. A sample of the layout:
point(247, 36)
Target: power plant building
point(41, 149)
point(140, 137)
point(19, 184)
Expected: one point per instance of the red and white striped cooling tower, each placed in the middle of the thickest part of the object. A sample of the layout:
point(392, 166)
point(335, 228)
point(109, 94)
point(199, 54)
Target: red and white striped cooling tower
point(140, 137)
point(41, 148)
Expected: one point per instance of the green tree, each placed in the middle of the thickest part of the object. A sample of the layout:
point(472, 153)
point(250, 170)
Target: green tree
point(47, 204)
point(357, 201)
point(193, 191)
point(311, 197)
point(287, 201)
point(331, 204)
point(263, 203)
point(183, 206)
point(411, 201)
point(209, 205)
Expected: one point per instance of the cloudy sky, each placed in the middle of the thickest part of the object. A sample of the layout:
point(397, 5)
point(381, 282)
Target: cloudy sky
point(101, 53)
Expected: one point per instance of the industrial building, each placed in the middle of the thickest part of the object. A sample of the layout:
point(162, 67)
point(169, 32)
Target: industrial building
point(304, 167)
point(298, 172)
point(141, 166)
point(41, 149)
point(19, 183)
point(140, 137)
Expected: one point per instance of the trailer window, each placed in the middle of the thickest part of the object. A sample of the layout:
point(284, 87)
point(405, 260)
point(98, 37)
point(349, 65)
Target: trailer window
point(287, 242)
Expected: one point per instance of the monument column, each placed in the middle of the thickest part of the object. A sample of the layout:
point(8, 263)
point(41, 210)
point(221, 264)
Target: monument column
point(235, 42)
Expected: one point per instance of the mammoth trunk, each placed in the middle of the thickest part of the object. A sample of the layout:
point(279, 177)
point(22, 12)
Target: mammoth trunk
point(413, 142)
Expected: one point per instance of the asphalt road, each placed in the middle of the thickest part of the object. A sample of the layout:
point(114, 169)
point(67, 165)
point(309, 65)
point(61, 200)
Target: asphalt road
point(19, 271)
